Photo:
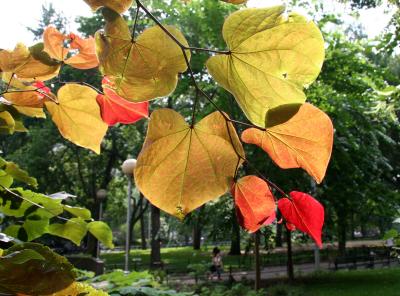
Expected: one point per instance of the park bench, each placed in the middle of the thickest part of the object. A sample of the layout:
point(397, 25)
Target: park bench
point(366, 261)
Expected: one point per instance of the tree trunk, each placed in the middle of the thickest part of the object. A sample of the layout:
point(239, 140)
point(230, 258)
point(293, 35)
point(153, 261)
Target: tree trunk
point(198, 227)
point(290, 272)
point(278, 238)
point(91, 247)
point(342, 236)
point(142, 230)
point(257, 283)
point(235, 237)
point(155, 256)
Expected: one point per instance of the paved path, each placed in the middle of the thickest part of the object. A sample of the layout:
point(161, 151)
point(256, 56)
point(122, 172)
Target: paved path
point(278, 272)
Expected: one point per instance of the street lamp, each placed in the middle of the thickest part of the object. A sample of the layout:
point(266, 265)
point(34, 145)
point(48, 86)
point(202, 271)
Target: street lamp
point(127, 168)
point(101, 196)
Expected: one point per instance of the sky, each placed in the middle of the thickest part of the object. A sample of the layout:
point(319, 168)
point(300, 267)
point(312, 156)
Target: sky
point(19, 14)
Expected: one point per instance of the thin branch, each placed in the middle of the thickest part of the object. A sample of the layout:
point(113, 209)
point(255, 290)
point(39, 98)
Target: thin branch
point(36, 204)
point(135, 22)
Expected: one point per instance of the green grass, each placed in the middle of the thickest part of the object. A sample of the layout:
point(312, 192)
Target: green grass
point(378, 282)
point(177, 259)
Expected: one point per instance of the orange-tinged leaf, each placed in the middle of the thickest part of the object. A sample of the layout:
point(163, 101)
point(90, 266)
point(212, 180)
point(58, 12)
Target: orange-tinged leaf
point(119, 6)
point(29, 95)
point(54, 43)
point(115, 109)
point(305, 141)
point(255, 204)
point(180, 168)
point(77, 116)
point(86, 58)
point(28, 63)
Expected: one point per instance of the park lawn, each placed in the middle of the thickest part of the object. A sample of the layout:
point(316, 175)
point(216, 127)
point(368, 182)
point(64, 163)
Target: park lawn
point(375, 282)
point(177, 259)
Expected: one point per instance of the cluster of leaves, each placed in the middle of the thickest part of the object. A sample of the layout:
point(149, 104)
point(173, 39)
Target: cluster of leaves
point(270, 59)
point(33, 269)
point(35, 214)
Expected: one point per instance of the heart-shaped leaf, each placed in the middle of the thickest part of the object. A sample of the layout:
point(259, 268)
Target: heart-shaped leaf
point(142, 69)
point(255, 204)
point(182, 167)
point(304, 212)
point(271, 59)
point(77, 116)
point(305, 141)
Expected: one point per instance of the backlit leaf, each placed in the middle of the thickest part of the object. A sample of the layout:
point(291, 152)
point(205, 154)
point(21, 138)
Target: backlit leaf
point(304, 212)
point(180, 168)
point(54, 45)
point(78, 212)
point(7, 123)
point(102, 232)
point(271, 59)
point(25, 63)
point(115, 109)
point(19, 174)
point(74, 230)
point(77, 116)
point(86, 58)
point(80, 289)
point(31, 112)
point(305, 141)
point(255, 204)
point(119, 6)
point(144, 69)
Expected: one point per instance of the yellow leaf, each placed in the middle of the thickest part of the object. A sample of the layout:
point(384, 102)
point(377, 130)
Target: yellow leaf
point(144, 69)
point(305, 141)
point(119, 6)
point(271, 59)
point(31, 112)
point(29, 97)
point(180, 168)
point(25, 63)
point(7, 123)
point(79, 289)
point(77, 116)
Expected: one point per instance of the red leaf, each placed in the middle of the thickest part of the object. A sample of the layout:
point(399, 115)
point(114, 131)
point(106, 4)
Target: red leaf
point(115, 109)
point(255, 204)
point(305, 213)
point(42, 89)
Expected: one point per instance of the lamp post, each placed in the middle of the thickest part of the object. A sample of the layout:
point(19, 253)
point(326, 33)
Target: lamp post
point(101, 196)
point(127, 168)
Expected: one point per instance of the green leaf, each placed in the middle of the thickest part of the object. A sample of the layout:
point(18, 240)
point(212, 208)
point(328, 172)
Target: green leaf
point(5, 179)
point(35, 226)
point(18, 174)
point(74, 230)
point(392, 233)
point(79, 212)
point(12, 230)
point(102, 232)
point(37, 270)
